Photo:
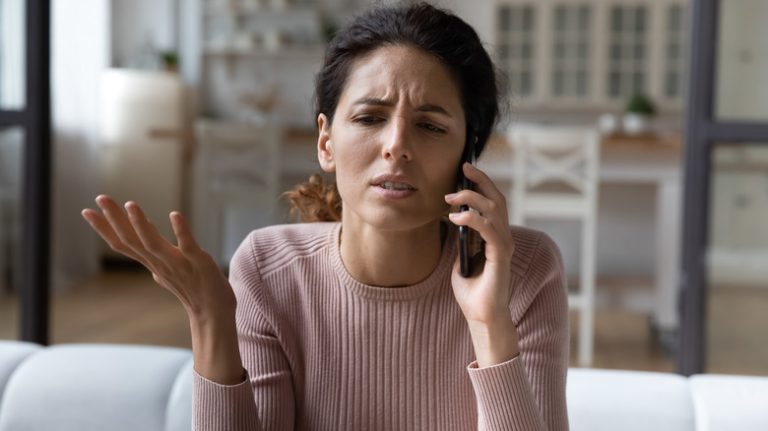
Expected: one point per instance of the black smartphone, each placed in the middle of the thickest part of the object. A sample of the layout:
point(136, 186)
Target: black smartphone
point(470, 244)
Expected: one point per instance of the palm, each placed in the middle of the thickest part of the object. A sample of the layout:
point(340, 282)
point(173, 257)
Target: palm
point(184, 269)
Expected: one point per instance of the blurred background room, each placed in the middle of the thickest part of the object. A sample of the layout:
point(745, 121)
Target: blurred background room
point(205, 106)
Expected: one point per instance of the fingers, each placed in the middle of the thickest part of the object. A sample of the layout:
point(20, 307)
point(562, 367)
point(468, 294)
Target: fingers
point(476, 221)
point(493, 211)
point(105, 231)
point(476, 201)
point(119, 222)
point(127, 241)
point(490, 219)
point(484, 184)
point(186, 240)
point(148, 234)
point(498, 246)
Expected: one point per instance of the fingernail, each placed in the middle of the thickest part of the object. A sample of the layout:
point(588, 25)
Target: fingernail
point(453, 216)
point(450, 196)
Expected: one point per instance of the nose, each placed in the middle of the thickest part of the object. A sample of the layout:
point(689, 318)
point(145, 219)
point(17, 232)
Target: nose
point(396, 145)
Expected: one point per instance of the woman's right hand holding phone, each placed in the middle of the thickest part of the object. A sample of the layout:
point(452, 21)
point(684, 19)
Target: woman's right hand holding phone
point(188, 272)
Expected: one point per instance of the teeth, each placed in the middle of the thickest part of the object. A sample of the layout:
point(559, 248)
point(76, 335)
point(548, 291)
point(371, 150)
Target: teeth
point(395, 186)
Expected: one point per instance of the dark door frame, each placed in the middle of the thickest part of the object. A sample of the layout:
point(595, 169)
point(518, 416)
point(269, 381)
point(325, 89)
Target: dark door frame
point(35, 121)
point(703, 132)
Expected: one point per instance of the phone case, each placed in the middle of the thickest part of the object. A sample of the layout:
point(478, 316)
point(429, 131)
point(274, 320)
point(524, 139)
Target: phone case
point(467, 236)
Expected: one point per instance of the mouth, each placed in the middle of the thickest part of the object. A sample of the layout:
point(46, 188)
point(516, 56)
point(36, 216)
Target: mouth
point(391, 185)
point(394, 182)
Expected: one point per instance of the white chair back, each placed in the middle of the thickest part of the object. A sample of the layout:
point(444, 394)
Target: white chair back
point(556, 177)
point(544, 157)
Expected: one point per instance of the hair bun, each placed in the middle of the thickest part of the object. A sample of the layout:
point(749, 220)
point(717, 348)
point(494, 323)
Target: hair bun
point(315, 201)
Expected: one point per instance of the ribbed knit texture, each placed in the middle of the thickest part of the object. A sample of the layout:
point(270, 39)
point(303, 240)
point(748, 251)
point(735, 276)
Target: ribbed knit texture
point(325, 352)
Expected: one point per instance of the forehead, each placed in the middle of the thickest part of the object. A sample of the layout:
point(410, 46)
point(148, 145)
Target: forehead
point(397, 71)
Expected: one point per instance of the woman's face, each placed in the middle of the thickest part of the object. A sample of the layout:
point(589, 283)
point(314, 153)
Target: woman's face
point(396, 139)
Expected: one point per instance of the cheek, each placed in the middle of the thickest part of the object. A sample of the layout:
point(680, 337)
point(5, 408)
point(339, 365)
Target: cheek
point(353, 159)
point(444, 172)
point(351, 166)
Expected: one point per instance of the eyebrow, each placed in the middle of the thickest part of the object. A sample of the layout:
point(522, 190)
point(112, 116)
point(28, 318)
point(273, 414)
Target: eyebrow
point(382, 102)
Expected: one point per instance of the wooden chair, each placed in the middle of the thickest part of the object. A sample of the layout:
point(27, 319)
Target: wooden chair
point(236, 172)
point(556, 178)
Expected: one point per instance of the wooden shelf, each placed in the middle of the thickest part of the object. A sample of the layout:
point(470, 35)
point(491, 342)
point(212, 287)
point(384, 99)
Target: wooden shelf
point(215, 10)
point(316, 51)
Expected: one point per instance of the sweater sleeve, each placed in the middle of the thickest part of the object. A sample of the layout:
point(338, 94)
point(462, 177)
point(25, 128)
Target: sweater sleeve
point(528, 391)
point(265, 399)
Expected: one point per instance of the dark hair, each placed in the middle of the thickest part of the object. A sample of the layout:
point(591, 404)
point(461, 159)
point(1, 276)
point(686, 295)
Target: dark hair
point(421, 25)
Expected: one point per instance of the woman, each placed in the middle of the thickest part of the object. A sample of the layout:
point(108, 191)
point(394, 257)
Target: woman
point(366, 323)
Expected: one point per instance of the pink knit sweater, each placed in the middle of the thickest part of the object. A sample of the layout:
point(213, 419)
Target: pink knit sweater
point(325, 352)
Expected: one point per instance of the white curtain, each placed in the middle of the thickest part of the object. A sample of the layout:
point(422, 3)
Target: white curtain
point(12, 54)
point(80, 46)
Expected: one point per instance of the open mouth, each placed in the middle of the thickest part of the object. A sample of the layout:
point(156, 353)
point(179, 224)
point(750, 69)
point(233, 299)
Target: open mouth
point(390, 185)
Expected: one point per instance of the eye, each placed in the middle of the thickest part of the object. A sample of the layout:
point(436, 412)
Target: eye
point(367, 120)
point(432, 128)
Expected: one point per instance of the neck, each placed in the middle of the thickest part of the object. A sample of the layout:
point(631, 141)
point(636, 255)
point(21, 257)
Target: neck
point(390, 258)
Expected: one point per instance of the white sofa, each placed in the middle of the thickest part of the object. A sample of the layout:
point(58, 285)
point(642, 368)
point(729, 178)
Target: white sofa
point(119, 387)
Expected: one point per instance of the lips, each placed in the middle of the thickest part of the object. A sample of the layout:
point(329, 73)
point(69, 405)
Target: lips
point(393, 186)
point(393, 182)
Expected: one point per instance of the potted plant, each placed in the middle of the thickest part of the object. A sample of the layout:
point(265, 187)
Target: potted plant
point(169, 60)
point(638, 113)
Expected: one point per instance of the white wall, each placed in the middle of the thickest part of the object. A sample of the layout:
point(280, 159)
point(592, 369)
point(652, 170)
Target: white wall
point(136, 23)
point(479, 14)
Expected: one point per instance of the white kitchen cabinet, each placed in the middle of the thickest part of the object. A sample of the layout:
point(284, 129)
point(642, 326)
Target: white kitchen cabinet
point(594, 54)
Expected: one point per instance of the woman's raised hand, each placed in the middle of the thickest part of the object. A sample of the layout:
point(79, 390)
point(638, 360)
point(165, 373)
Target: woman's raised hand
point(189, 273)
point(185, 269)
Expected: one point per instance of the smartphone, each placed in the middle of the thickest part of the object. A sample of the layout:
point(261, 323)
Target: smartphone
point(471, 246)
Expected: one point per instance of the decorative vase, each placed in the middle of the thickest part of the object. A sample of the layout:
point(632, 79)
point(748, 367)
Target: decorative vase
point(608, 124)
point(634, 123)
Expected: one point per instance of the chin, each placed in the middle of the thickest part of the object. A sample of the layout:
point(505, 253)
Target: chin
point(396, 219)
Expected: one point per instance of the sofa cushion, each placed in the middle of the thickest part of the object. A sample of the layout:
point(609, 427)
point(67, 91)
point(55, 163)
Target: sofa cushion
point(725, 403)
point(628, 401)
point(12, 353)
point(92, 387)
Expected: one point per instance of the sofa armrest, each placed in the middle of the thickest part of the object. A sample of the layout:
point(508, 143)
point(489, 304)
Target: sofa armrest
point(94, 387)
point(12, 354)
point(628, 401)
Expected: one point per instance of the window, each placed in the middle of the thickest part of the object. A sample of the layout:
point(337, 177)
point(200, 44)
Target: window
point(571, 50)
point(12, 79)
point(517, 26)
point(674, 53)
point(627, 47)
point(25, 127)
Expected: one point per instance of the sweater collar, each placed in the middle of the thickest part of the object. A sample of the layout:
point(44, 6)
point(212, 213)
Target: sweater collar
point(441, 275)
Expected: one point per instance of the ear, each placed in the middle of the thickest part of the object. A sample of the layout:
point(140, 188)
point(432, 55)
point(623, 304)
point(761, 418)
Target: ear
point(324, 145)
